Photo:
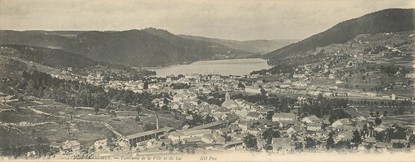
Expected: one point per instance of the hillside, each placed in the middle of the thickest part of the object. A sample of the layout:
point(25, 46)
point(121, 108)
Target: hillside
point(378, 64)
point(50, 57)
point(389, 20)
point(254, 46)
point(147, 47)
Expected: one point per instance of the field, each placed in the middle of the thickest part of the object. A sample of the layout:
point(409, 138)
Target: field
point(125, 123)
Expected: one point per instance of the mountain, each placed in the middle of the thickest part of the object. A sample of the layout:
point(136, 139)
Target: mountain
point(254, 46)
point(389, 20)
point(51, 57)
point(147, 47)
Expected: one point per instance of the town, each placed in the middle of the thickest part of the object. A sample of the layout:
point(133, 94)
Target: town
point(285, 82)
point(215, 112)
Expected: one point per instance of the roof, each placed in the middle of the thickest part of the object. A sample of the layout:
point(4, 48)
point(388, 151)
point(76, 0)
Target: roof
point(281, 140)
point(284, 115)
point(383, 145)
point(312, 118)
point(253, 114)
point(237, 142)
point(209, 125)
point(370, 140)
point(141, 134)
point(192, 132)
point(229, 103)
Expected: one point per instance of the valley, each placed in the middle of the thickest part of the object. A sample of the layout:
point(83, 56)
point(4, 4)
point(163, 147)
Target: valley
point(145, 93)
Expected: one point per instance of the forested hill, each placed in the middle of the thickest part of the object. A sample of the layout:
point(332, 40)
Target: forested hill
point(147, 47)
point(389, 20)
point(254, 46)
point(51, 57)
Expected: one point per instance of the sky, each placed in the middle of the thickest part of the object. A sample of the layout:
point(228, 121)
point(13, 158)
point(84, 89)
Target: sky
point(228, 19)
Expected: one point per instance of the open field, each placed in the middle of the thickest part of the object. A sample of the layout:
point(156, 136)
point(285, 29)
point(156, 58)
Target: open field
point(125, 123)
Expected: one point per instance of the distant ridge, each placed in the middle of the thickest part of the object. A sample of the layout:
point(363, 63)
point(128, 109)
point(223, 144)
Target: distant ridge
point(254, 46)
point(388, 20)
point(146, 47)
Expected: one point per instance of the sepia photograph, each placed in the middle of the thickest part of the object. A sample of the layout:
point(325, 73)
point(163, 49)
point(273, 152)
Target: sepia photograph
point(207, 80)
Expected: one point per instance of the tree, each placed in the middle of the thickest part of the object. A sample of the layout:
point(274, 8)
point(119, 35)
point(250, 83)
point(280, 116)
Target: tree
point(385, 113)
point(113, 114)
point(241, 86)
point(164, 107)
point(330, 142)
point(137, 118)
point(96, 109)
point(411, 139)
point(356, 139)
point(378, 121)
point(310, 143)
point(145, 86)
point(208, 119)
point(250, 141)
point(401, 110)
point(138, 110)
point(263, 92)
point(165, 101)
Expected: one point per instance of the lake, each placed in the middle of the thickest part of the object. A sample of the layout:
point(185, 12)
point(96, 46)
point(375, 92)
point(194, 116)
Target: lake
point(222, 67)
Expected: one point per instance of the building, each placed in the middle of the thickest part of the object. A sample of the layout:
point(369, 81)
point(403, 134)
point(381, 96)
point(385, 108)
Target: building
point(187, 135)
point(101, 144)
point(235, 144)
point(144, 136)
point(254, 116)
point(281, 145)
point(71, 146)
point(213, 125)
point(229, 103)
point(311, 119)
point(284, 117)
point(213, 138)
point(252, 90)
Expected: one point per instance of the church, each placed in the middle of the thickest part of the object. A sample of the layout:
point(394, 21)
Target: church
point(229, 103)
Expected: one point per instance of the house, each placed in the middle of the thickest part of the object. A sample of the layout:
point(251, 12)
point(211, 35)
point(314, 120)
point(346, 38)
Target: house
point(235, 129)
point(244, 125)
point(187, 135)
point(71, 146)
point(398, 141)
point(283, 117)
point(295, 129)
point(101, 144)
point(281, 145)
point(224, 131)
point(344, 136)
point(383, 146)
point(241, 112)
point(311, 119)
point(254, 116)
point(213, 138)
point(252, 90)
point(133, 139)
point(261, 143)
point(314, 126)
point(235, 144)
point(340, 123)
